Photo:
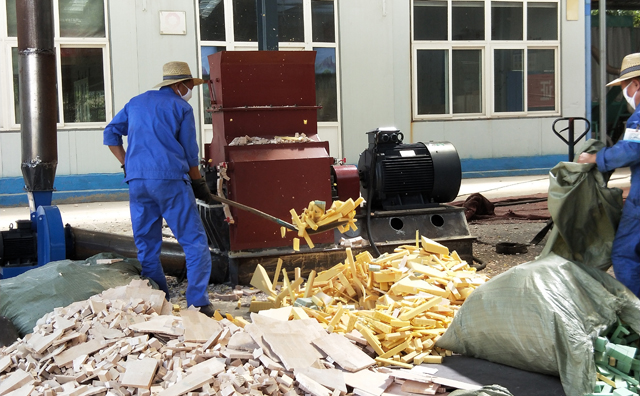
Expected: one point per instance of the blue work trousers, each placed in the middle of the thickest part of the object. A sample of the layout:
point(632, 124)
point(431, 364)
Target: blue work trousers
point(624, 254)
point(149, 202)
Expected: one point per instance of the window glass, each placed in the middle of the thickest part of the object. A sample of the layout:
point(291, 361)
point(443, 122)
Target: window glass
point(326, 84)
point(212, 20)
point(204, 53)
point(429, 20)
point(82, 84)
point(322, 21)
point(433, 80)
point(506, 20)
point(542, 21)
point(467, 20)
point(16, 85)
point(290, 21)
point(509, 83)
point(81, 18)
point(245, 20)
point(12, 25)
point(466, 81)
point(541, 80)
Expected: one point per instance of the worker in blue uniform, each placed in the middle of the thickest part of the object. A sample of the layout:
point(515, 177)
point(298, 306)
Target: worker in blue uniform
point(161, 168)
point(626, 152)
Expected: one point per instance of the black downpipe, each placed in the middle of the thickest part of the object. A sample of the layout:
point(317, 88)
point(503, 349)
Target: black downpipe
point(87, 243)
point(38, 103)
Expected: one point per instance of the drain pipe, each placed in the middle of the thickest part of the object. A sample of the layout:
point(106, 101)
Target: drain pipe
point(39, 112)
point(38, 103)
point(602, 84)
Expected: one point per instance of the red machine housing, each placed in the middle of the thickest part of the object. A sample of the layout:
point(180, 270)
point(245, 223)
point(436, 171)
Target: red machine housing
point(267, 94)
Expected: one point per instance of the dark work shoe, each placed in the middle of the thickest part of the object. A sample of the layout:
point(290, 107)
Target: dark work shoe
point(207, 310)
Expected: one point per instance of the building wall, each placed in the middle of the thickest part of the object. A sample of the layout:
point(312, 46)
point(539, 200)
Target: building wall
point(137, 52)
point(376, 92)
point(375, 83)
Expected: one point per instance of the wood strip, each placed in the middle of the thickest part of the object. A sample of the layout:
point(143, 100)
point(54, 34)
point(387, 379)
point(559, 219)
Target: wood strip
point(343, 352)
point(23, 391)
point(5, 363)
point(68, 356)
point(139, 373)
point(40, 342)
point(198, 327)
point(188, 383)
point(368, 381)
point(330, 378)
point(455, 384)
point(420, 387)
point(312, 387)
point(16, 380)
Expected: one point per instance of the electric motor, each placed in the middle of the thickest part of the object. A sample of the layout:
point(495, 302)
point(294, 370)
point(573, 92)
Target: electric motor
point(407, 176)
point(19, 246)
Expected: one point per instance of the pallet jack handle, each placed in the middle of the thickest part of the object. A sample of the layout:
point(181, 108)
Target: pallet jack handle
point(571, 141)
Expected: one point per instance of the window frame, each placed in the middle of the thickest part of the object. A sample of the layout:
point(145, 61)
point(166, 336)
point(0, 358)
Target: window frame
point(487, 47)
point(307, 45)
point(6, 71)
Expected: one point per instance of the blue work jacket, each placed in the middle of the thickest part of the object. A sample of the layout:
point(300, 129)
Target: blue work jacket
point(625, 153)
point(161, 136)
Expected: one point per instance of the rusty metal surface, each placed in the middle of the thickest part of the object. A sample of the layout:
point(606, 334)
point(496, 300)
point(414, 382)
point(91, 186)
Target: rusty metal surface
point(264, 93)
point(347, 182)
point(275, 179)
point(263, 78)
point(267, 94)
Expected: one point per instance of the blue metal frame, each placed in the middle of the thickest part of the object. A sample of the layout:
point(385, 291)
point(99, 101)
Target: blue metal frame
point(51, 243)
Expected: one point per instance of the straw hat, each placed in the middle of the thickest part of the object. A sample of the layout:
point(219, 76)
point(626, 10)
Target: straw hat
point(174, 72)
point(630, 68)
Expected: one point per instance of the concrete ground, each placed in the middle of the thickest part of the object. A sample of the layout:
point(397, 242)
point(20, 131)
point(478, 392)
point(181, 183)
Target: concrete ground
point(114, 216)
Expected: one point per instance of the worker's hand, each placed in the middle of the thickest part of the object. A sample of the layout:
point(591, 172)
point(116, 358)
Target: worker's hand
point(124, 170)
point(201, 190)
point(586, 158)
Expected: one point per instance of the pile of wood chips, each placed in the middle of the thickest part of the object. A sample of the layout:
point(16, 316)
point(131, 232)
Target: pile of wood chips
point(398, 304)
point(126, 341)
point(316, 215)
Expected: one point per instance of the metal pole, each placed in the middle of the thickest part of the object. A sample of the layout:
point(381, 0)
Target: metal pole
point(38, 103)
point(587, 52)
point(572, 142)
point(602, 13)
point(267, 11)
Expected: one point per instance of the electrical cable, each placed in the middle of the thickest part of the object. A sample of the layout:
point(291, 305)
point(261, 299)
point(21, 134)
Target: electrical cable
point(369, 199)
point(481, 262)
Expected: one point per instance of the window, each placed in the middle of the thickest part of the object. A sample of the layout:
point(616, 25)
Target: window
point(81, 45)
point(475, 59)
point(302, 25)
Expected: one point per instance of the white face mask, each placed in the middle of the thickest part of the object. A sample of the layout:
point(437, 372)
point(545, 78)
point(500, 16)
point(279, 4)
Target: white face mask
point(186, 96)
point(630, 99)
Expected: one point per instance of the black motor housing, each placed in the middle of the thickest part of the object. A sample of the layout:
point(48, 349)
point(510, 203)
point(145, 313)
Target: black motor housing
point(407, 176)
point(19, 246)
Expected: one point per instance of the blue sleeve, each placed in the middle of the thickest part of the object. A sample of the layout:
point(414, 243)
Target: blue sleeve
point(187, 138)
point(622, 154)
point(117, 128)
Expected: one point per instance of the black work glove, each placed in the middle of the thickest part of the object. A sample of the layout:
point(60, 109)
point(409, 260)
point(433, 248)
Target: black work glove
point(201, 191)
point(125, 172)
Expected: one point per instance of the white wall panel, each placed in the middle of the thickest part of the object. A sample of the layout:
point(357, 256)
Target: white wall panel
point(92, 155)
point(10, 154)
point(65, 156)
point(376, 87)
